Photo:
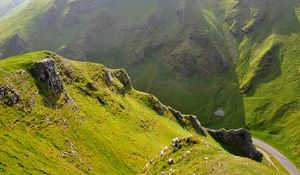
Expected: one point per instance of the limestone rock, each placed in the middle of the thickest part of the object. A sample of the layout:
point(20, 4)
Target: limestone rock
point(176, 114)
point(11, 95)
point(123, 77)
point(108, 78)
point(238, 141)
point(157, 105)
point(196, 124)
point(46, 72)
point(188, 120)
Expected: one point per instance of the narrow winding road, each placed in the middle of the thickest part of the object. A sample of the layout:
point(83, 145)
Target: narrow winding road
point(289, 166)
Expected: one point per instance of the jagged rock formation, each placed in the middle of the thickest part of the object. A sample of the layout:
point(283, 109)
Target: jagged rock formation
point(124, 78)
point(191, 119)
point(46, 72)
point(157, 105)
point(108, 77)
point(11, 96)
point(238, 141)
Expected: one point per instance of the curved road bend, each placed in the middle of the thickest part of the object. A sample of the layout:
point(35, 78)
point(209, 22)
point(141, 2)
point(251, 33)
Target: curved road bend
point(289, 166)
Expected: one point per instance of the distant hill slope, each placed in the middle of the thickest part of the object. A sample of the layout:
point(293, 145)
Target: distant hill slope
point(6, 6)
point(232, 62)
point(65, 117)
point(170, 48)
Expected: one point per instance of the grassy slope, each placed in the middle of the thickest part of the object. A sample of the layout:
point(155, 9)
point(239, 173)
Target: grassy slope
point(269, 108)
point(205, 158)
point(84, 137)
point(115, 48)
point(269, 63)
point(17, 23)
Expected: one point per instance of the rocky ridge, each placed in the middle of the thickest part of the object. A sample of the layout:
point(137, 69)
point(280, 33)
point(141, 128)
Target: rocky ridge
point(238, 141)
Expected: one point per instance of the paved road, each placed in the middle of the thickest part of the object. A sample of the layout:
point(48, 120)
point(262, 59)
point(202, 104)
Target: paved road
point(289, 166)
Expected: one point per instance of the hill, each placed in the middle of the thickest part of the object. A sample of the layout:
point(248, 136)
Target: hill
point(65, 117)
point(233, 63)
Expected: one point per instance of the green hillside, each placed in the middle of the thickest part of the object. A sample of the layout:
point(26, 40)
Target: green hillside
point(233, 63)
point(83, 122)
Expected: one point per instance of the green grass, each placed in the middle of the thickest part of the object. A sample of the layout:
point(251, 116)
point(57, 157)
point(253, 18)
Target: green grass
point(85, 137)
point(265, 34)
point(206, 157)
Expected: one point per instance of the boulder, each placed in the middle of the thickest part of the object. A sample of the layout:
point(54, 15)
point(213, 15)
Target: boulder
point(46, 72)
point(237, 141)
point(219, 113)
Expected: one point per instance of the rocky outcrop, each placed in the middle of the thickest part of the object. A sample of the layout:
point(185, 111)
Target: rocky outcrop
point(237, 141)
point(124, 78)
point(46, 72)
point(157, 105)
point(196, 124)
point(176, 114)
point(108, 78)
point(9, 95)
point(188, 120)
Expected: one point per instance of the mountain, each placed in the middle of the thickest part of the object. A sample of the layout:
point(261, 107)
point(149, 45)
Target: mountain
point(7, 6)
point(66, 117)
point(233, 63)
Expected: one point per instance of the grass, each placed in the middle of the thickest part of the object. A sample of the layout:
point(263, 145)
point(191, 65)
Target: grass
point(84, 136)
point(205, 157)
point(268, 63)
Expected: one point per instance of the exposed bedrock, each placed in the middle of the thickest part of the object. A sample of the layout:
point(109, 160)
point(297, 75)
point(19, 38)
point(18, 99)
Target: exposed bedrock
point(237, 141)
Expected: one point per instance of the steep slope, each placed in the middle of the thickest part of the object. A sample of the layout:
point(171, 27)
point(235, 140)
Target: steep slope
point(65, 117)
point(163, 44)
point(232, 63)
point(268, 70)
